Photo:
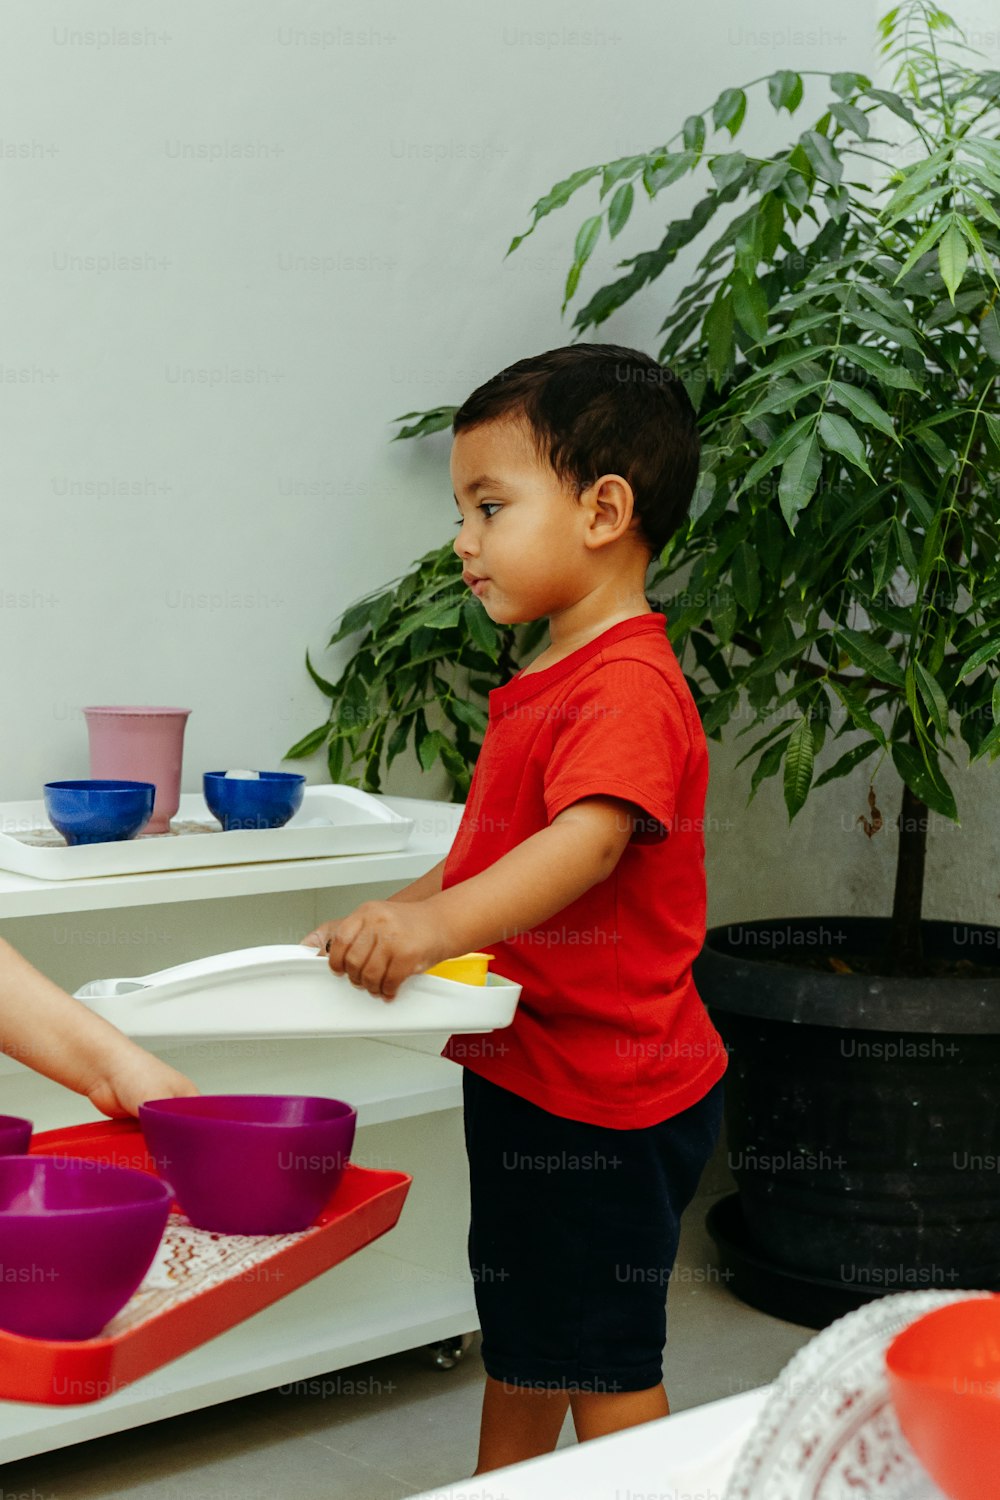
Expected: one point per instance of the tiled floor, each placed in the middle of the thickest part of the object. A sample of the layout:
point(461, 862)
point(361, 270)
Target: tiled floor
point(395, 1426)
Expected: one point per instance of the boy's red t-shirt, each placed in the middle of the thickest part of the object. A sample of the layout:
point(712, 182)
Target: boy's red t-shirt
point(609, 1029)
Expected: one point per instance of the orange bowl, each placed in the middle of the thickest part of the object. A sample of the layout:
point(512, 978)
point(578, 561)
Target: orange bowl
point(944, 1379)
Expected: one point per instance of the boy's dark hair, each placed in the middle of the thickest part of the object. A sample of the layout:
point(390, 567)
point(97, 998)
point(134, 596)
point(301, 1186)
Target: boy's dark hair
point(595, 409)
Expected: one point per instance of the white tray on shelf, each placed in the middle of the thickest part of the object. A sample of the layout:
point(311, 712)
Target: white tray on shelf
point(332, 820)
point(289, 991)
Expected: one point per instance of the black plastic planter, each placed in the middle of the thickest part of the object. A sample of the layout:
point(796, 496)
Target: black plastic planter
point(862, 1115)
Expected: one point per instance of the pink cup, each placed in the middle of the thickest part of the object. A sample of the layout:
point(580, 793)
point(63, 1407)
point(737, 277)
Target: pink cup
point(140, 744)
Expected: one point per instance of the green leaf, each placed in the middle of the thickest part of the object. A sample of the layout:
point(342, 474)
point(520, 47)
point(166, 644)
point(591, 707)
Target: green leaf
point(784, 89)
point(702, 499)
point(858, 713)
point(785, 394)
point(787, 440)
point(892, 102)
point(718, 330)
point(430, 746)
point(953, 258)
point(799, 758)
point(321, 682)
point(893, 308)
point(823, 156)
point(308, 744)
point(694, 133)
point(666, 167)
point(883, 558)
point(746, 578)
point(983, 654)
point(620, 208)
point(890, 328)
point(926, 781)
point(769, 174)
point(864, 407)
point(988, 745)
point(937, 703)
point(799, 476)
point(469, 713)
point(871, 359)
point(724, 612)
point(845, 765)
point(989, 333)
point(557, 197)
point(913, 180)
point(588, 235)
point(625, 166)
point(927, 240)
point(750, 306)
point(481, 628)
point(435, 420)
point(397, 741)
point(838, 436)
point(444, 618)
point(974, 238)
point(767, 765)
point(728, 110)
point(728, 168)
point(985, 207)
point(848, 83)
point(869, 654)
point(851, 118)
point(906, 551)
point(335, 757)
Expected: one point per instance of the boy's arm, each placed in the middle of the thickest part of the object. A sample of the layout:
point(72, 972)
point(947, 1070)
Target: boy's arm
point(424, 886)
point(537, 879)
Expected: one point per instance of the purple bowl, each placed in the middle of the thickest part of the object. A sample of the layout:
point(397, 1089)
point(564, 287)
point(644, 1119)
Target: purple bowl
point(15, 1135)
point(250, 1163)
point(76, 1239)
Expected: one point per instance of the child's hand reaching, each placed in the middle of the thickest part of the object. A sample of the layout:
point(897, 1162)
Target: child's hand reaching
point(54, 1033)
point(133, 1077)
point(381, 943)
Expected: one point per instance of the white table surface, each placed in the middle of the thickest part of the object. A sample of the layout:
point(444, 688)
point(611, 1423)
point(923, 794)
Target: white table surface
point(689, 1456)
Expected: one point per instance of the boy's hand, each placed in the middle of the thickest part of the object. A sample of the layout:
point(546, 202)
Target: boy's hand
point(380, 944)
point(134, 1078)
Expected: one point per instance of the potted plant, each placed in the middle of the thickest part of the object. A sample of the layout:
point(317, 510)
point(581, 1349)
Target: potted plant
point(838, 580)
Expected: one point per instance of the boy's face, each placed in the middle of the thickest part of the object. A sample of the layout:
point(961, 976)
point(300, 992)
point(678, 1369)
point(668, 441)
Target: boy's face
point(523, 532)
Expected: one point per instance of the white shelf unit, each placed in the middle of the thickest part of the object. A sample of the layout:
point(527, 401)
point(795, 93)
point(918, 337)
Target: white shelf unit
point(410, 1287)
point(435, 825)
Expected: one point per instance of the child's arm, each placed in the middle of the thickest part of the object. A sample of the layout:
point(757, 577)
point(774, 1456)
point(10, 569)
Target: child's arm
point(381, 943)
point(420, 889)
point(536, 879)
point(48, 1030)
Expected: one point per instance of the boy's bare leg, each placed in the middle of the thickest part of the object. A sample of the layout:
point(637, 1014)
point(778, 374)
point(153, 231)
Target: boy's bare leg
point(595, 1414)
point(518, 1423)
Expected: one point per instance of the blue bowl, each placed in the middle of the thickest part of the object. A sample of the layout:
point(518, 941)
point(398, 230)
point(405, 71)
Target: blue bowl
point(267, 803)
point(99, 812)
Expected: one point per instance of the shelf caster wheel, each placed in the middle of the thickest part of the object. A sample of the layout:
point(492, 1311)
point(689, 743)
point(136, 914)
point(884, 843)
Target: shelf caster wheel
point(446, 1354)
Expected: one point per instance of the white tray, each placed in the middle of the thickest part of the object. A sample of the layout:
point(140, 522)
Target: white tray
point(289, 991)
point(332, 820)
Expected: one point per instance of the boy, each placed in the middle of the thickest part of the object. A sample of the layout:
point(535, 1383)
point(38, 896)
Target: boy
point(579, 863)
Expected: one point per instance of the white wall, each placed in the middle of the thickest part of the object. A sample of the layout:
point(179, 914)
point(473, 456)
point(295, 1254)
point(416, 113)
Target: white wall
point(173, 532)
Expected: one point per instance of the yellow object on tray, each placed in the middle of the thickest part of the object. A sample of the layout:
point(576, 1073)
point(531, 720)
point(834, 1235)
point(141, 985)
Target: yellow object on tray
point(468, 968)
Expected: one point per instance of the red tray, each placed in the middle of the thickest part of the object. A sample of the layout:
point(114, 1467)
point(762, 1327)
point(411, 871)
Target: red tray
point(63, 1372)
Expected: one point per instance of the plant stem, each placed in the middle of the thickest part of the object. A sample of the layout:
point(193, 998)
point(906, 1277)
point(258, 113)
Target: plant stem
point(906, 952)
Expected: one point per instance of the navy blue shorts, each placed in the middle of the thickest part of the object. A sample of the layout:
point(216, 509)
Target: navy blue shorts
point(573, 1237)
